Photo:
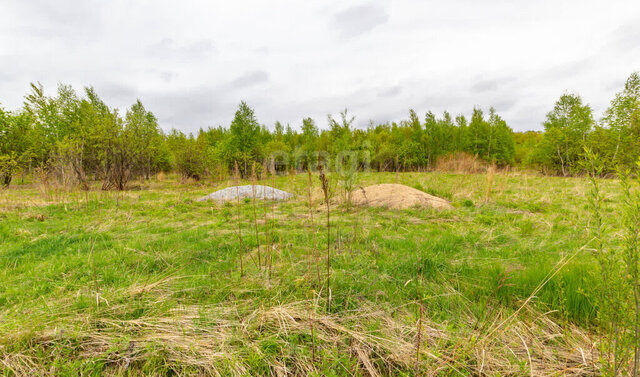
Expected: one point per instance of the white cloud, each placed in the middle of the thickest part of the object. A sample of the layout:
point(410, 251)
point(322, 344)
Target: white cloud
point(192, 62)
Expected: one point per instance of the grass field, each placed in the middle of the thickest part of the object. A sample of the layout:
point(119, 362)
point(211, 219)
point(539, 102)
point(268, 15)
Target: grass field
point(148, 281)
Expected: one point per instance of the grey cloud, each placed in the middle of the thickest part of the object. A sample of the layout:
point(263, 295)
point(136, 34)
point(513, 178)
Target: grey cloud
point(168, 48)
point(116, 94)
point(434, 56)
point(567, 70)
point(617, 85)
point(391, 91)
point(491, 84)
point(6, 77)
point(167, 76)
point(250, 79)
point(116, 91)
point(59, 19)
point(626, 38)
point(360, 19)
point(504, 104)
point(189, 110)
point(202, 47)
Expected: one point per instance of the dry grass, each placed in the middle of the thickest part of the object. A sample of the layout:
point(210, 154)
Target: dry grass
point(209, 341)
point(460, 162)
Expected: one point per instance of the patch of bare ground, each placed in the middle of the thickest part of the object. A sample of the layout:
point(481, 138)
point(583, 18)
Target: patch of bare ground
point(397, 196)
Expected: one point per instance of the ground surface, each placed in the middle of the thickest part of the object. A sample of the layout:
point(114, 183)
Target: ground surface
point(148, 281)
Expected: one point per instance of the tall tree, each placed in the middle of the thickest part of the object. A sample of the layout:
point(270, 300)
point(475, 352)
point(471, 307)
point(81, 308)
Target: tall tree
point(244, 139)
point(566, 130)
point(501, 143)
point(479, 134)
point(623, 119)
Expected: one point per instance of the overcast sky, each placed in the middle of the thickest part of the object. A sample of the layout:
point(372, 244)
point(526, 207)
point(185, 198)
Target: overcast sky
point(192, 62)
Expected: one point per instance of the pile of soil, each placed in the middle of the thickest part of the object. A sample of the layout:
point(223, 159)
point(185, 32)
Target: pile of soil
point(247, 191)
point(397, 197)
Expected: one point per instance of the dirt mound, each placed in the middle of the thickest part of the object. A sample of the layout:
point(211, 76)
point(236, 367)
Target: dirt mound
point(261, 192)
point(397, 197)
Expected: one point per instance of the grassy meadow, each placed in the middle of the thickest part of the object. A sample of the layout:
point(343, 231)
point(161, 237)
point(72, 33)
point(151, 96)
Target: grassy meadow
point(151, 282)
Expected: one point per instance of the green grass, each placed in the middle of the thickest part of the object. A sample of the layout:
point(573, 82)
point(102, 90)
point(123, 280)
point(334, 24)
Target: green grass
point(171, 299)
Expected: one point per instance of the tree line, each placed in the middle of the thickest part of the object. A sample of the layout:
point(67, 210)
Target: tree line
point(80, 139)
point(570, 128)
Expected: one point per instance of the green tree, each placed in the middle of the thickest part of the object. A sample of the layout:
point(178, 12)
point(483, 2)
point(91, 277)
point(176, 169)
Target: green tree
point(309, 143)
point(479, 134)
point(14, 145)
point(189, 153)
point(144, 139)
point(623, 119)
point(243, 145)
point(501, 149)
point(566, 129)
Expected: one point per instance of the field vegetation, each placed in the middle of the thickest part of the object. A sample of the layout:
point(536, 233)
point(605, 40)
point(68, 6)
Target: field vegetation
point(149, 281)
point(109, 265)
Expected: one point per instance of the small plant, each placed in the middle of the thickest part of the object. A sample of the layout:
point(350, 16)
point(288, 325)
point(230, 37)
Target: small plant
point(619, 293)
point(631, 257)
point(347, 173)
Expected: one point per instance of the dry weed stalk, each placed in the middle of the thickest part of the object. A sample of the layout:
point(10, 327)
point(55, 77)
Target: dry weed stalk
point(268, 238)
point(312, 251)
point(418, 338)
point(273, 211)
point(325, 189)
point(255, 216)
point(94, 273)
point(491, 172)
point(236, 175)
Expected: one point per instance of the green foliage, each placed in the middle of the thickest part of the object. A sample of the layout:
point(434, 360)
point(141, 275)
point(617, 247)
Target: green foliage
point(85, 136)
point(566, 130)
point(616, 248)
point(190, 157)
point(570, 127)
point(623, 121)
point(243, 145)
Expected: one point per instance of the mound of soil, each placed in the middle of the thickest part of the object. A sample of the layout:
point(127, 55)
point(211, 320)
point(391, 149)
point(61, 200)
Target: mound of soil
point(247, 191)
point(397, 197)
